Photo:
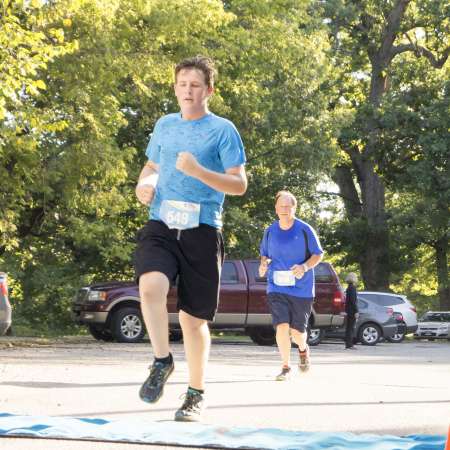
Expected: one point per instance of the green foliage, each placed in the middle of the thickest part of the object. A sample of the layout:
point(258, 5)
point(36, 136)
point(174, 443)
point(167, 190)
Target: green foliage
point(103, 77)
point(82, 83)
point(391, 97)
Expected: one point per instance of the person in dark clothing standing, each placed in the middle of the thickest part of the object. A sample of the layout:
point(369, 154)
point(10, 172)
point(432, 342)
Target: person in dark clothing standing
point(351, 309)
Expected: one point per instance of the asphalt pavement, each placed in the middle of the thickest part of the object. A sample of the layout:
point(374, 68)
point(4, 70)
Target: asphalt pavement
point(398, 389)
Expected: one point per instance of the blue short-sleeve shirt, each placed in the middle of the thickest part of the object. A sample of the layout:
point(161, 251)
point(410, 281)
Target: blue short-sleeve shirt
point(286, 248)
point(215, 143)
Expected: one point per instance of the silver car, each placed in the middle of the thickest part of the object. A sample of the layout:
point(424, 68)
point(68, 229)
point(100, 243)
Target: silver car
point(374, 322)
point(434, 325)
point(399, 303)
point(5, 306)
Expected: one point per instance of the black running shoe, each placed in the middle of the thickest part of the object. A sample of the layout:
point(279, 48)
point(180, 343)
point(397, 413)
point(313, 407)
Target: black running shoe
point(192, 407)
point(284, 375)
point(153, 387)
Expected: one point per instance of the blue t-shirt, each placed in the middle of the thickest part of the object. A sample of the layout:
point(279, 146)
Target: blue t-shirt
point(286, 248)
point(215, 143)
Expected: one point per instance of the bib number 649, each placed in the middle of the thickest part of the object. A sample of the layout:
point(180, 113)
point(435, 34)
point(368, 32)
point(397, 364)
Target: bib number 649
point(177, 217)
point(180, 215)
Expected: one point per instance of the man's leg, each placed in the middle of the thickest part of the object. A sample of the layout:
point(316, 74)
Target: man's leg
point(349, 331)
point(153, 289)
point(301, 311)
point(284, 343)
point(197, 342)
point(300, 339)
point(284, 347)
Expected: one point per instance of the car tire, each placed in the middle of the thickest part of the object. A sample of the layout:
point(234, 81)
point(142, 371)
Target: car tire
point(128, 325)
point(315, 336)
point(398, 337)
point(369, 334)
point(100, 333)
point(262, 335)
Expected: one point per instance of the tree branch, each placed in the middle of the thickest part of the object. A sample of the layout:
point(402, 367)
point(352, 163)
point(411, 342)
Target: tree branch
point(338, 194)
point(420, 51)
point(392, 27)
point(342, 176)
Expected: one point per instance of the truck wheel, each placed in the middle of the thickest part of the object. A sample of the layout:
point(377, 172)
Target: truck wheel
point(262, 336)
point(127, 325)
point(175, 335)
point(100, 333)
point(369, 334)
point(315, 336)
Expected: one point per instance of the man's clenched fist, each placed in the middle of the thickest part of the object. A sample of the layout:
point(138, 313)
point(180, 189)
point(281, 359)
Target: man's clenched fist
point(145, 193)
point(187, 164)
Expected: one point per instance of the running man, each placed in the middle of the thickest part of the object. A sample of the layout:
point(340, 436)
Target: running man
point(290, 249)
point(194, 158)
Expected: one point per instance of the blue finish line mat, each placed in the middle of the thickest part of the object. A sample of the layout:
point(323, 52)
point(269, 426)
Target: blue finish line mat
point(141, 431)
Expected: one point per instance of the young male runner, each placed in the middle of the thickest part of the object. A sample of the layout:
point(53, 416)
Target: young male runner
point(290, 249)
point(194, 157)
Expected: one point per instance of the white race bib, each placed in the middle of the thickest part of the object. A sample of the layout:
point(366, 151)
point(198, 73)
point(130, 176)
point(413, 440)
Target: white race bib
point(180, 215)
point(283, 278)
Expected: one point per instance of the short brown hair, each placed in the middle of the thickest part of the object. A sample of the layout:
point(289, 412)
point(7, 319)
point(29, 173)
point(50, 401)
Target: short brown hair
point(202, 63)
point(287, 193)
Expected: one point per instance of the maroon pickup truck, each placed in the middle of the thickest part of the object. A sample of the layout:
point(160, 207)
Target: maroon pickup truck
point(112, 312)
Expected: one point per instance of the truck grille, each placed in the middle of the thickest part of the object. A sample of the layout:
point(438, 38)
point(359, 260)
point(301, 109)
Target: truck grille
point(82, 295)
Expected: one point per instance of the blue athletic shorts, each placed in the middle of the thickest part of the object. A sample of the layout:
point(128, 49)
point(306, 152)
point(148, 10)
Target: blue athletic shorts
point(289, 309)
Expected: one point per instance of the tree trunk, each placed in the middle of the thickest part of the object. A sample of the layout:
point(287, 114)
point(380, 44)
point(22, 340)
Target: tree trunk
point(375, 267)
point(441, 248)
point(343, 178)
point(374, 261)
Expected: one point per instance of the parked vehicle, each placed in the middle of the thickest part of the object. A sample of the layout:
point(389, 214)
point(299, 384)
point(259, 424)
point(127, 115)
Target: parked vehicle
point(399, 303)
point(399, 336)
point(374, 323)
point(112, 310)
point(434, 325)
point(5, 306)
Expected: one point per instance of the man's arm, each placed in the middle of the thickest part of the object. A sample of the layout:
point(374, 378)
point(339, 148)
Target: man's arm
point(145, 192)
point(263, 265)
point(233, 181)
point(299, 269)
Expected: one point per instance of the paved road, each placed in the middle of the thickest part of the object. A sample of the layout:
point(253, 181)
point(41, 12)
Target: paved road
point(388, 389)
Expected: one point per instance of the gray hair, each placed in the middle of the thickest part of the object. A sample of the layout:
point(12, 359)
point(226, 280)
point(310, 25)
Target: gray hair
point(352, 278)
point(287, 194)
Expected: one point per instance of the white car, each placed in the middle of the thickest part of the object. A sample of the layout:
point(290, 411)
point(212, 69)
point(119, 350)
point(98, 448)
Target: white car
point(434, 325)
point(399, 303)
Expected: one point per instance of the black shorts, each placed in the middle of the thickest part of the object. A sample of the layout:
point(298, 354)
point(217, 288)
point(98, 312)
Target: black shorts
point(289, 309)
point(195, 256)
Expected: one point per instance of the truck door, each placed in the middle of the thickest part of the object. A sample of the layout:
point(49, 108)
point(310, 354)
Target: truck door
point(328, 302)
point(258, 313)
point(233, 298)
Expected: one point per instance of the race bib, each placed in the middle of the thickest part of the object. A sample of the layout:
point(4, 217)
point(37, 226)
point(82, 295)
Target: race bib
point(283, 278)
point(180, 215)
